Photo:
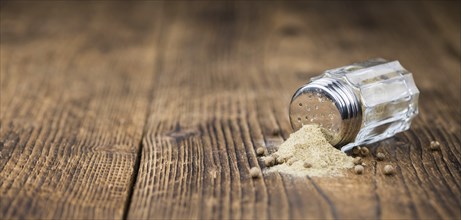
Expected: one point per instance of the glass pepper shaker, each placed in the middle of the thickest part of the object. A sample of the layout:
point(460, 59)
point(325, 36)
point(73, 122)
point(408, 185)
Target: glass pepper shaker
point(357, 104)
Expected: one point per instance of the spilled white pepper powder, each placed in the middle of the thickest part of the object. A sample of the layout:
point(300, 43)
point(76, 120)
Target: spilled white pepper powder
point(308, 145)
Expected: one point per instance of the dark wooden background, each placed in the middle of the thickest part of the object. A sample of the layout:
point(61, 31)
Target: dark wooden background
point(151, 109)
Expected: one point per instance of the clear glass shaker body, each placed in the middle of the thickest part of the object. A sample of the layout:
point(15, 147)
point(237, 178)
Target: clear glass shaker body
point(358, 104)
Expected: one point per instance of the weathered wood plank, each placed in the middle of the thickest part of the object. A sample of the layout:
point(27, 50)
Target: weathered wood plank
point(75, 82)
point(77, 79)
point(228, 71)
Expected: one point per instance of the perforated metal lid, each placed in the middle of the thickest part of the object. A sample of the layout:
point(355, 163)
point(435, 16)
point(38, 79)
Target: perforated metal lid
point(330, 104)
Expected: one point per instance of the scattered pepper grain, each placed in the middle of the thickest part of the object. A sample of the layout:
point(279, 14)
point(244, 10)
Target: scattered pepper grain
point(269, 161)
point(255, 172)
point(389, 170)
point(356, 150)
point(435, 145)
point(364, 151)
point(307, 165)
point(280, 160)
point(357, 160)
point(358, 169)
point(380, 156)
point(260, 151)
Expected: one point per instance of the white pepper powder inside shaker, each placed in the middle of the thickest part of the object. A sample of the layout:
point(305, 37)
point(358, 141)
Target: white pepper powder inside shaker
point(357, 104)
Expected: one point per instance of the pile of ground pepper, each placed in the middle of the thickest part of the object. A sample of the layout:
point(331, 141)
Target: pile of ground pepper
point(308, 153)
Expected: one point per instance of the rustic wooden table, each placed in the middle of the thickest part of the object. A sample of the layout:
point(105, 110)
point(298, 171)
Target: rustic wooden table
point(135, 110)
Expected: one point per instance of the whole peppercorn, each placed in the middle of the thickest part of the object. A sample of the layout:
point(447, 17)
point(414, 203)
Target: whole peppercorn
point(364, 151)
point(380, 156)
point(269, 161)
point(358, 169)
point(357, 160)
point(255, 172)
point(260, 151)
point(356, 150)
point(280, 160)
point(389, 170)
point(435, 145)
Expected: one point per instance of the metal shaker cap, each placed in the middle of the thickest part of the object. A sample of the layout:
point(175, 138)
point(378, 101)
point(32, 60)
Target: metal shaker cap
point(330, 104)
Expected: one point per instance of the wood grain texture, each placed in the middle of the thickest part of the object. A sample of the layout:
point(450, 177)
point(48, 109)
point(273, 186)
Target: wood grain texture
point(75, 82)
point(227, 74)
point(149, 109)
